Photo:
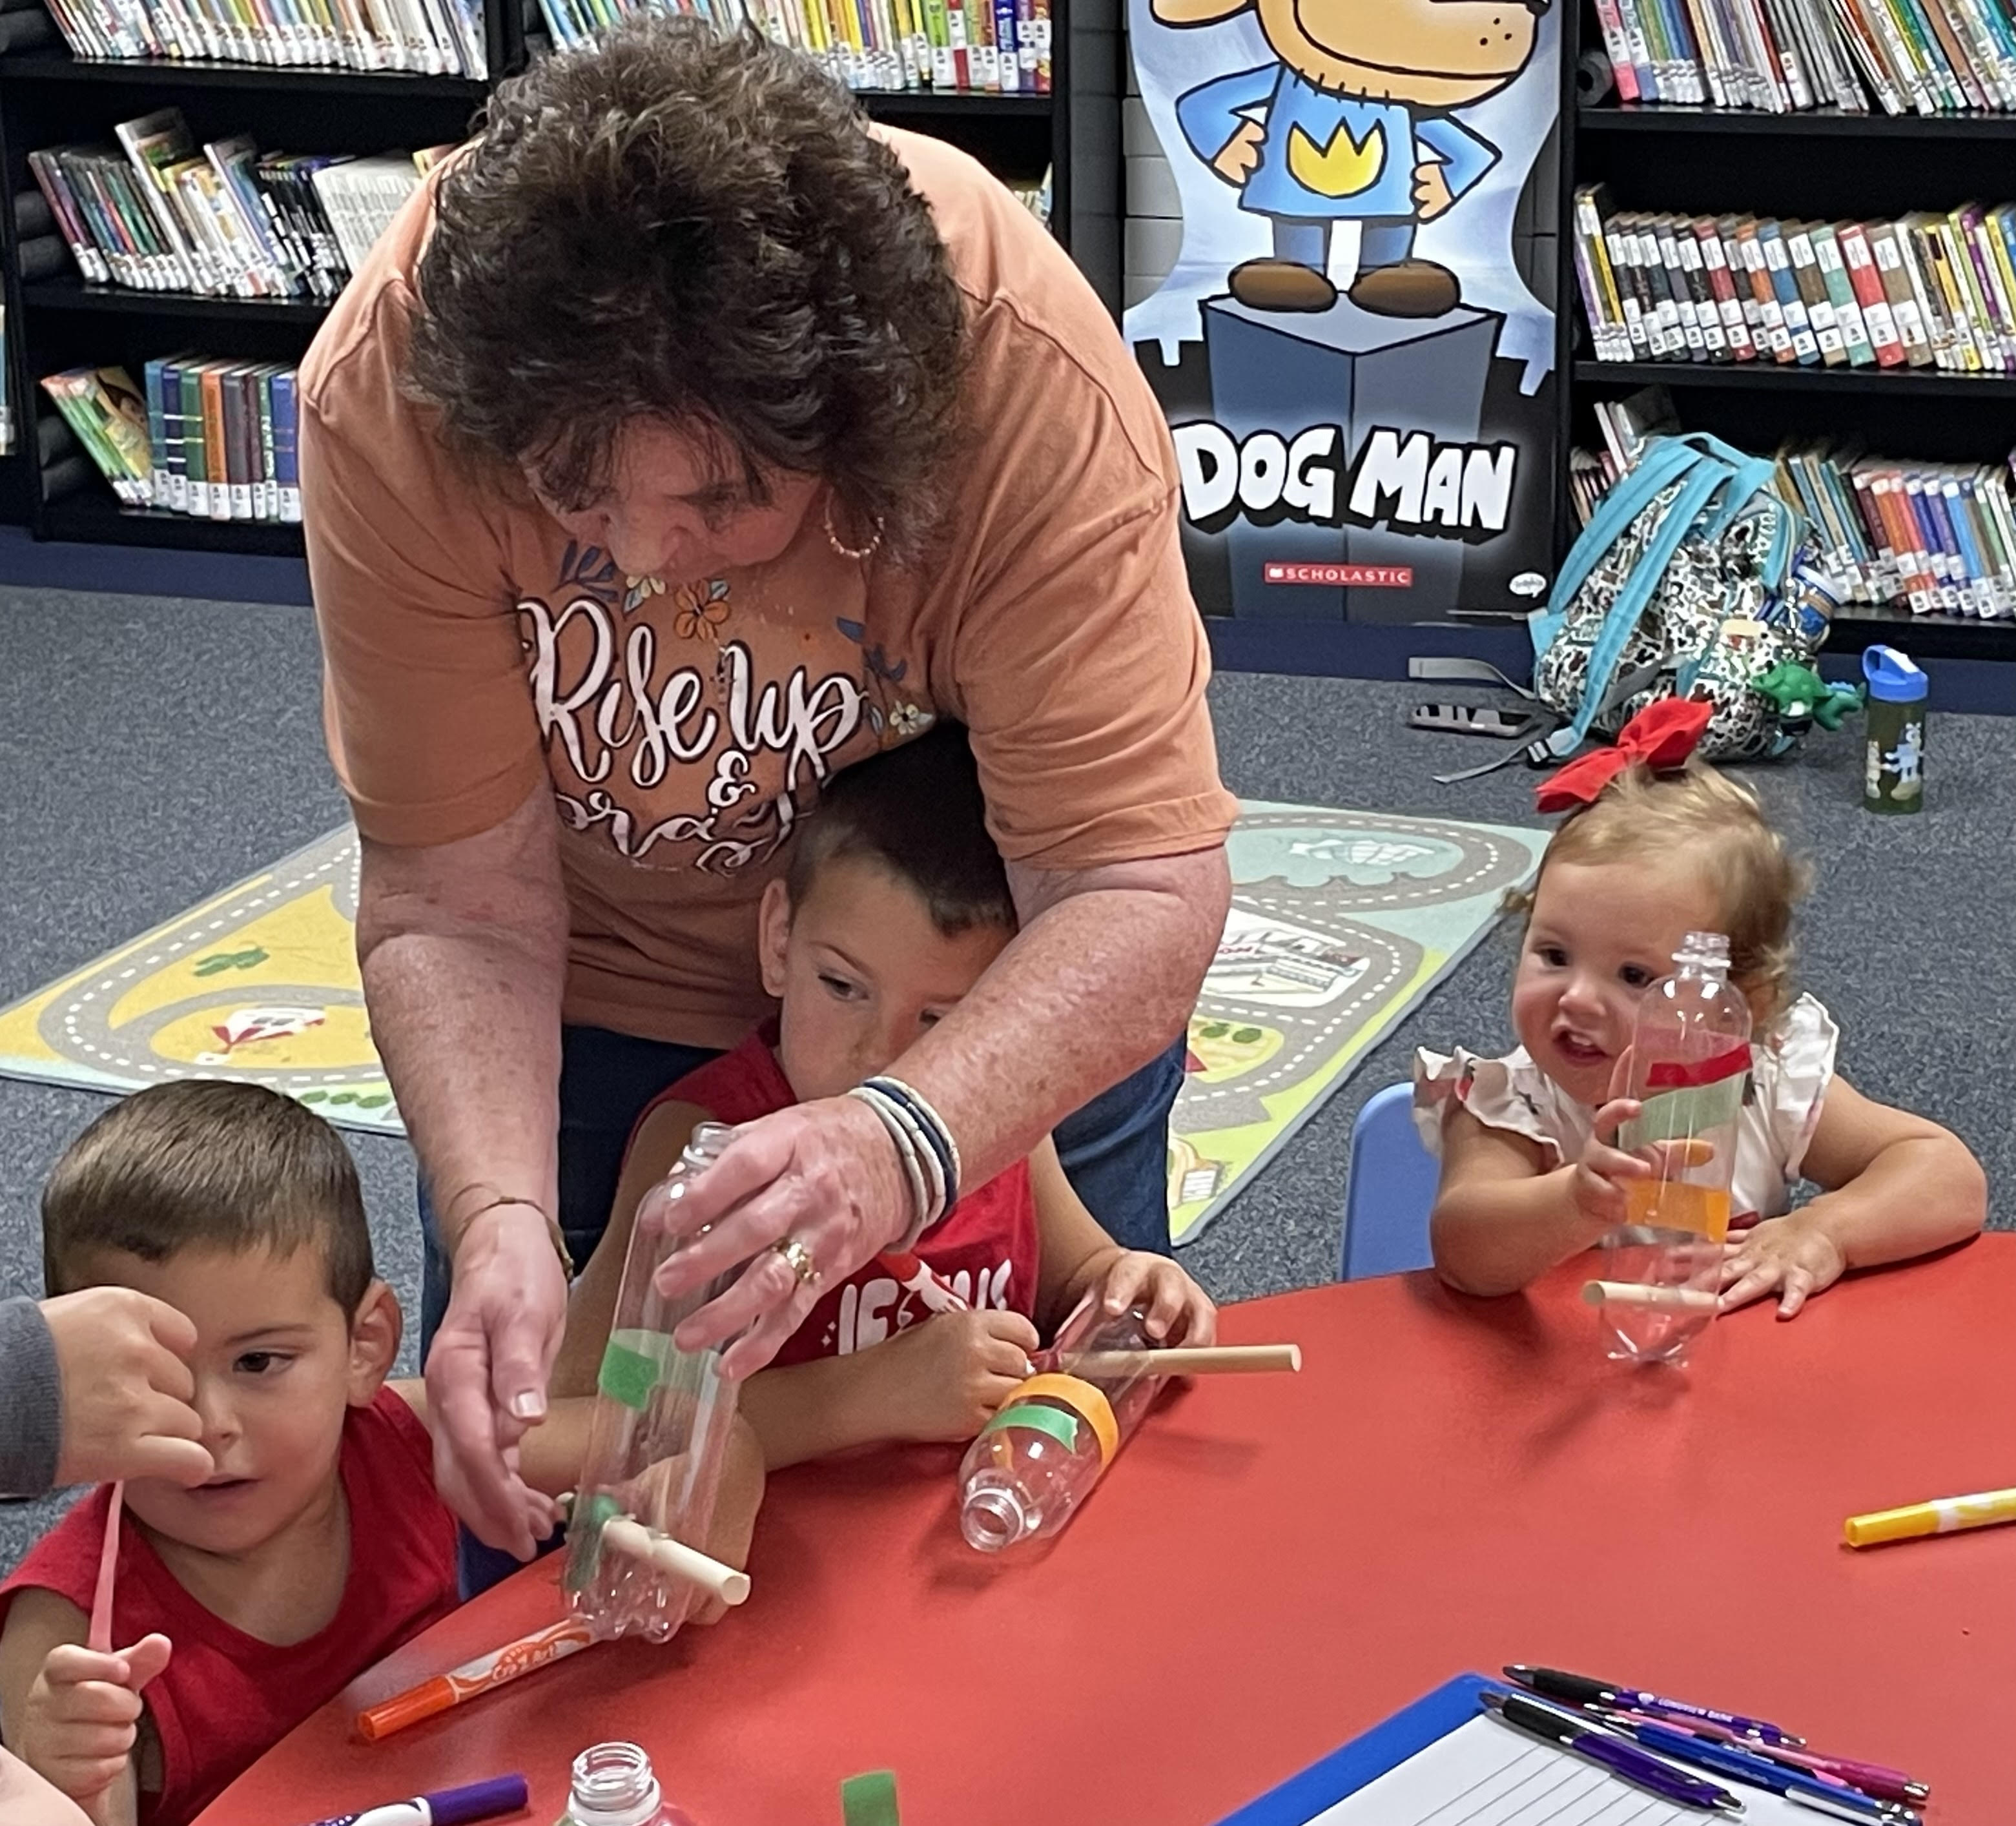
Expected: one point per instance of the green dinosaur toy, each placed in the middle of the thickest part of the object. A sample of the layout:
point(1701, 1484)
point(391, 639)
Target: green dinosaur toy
point(1801, 695)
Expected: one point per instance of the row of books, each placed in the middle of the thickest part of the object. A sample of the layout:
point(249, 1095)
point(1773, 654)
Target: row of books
point(993, 47)
point(1935, 537)
point(436, 38)
point(210, 438)
point(1923, 57)
point(1926, 291)
point(224, 220)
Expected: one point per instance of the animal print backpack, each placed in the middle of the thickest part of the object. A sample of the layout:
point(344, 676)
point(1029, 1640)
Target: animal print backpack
point(1691, 581)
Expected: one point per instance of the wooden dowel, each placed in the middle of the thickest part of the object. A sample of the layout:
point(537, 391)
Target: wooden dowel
point(1215, 1360)
point(676, 1558)
point(1631, 1293)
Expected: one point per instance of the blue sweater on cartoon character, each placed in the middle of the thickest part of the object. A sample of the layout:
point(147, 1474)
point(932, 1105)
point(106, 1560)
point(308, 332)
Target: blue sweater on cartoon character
point(1306, 169)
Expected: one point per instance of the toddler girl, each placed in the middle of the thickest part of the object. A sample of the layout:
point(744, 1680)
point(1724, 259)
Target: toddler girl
point(1658, 844)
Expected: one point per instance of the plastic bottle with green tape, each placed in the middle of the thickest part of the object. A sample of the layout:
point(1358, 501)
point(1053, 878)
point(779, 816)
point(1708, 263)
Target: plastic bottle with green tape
point(656, 1442)
point(1036, 1461)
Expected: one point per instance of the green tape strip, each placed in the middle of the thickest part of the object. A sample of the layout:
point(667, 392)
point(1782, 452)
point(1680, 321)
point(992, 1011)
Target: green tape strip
point(584, 1529)
point(628, 1376)
point(869, 1800)
point(1038, 1416)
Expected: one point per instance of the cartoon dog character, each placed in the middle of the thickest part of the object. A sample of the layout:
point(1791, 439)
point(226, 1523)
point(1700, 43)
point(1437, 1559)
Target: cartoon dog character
point(1353, 123)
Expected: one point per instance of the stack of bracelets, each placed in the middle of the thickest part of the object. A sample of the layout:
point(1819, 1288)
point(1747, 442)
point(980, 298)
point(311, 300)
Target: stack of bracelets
point(924, 1144)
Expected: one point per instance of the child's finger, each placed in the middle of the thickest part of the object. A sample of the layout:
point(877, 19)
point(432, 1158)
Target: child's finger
point(1199, 1324)
point(1614, 1115)
point(1125, 1279)
point(93, 1703)
point(1011, 1328)
point(1760, 1281)
point(1003, 1356)
point(1166, 1306)
point(1798, 1285)
point(1614, 1163)
point(71, 1663)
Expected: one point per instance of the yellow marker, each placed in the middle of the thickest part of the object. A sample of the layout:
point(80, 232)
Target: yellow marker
point(1943, 1515)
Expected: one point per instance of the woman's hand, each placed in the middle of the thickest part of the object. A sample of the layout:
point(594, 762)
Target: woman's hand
point(1796, 1257)
point(824, 1175)
point(486, 1374)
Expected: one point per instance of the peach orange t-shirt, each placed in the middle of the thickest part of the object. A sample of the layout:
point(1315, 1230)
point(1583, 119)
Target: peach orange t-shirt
point(686, 724)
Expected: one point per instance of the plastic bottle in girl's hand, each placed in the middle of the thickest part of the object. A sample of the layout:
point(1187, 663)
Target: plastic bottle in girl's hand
point(1036, 1461)
point(1690, 1061)
point(615, 1786)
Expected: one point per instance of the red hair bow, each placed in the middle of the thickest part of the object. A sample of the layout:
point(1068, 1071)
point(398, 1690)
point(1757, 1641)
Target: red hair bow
point(1662, 735)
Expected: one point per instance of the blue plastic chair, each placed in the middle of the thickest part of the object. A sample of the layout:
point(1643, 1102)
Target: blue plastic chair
point(1389, 1190)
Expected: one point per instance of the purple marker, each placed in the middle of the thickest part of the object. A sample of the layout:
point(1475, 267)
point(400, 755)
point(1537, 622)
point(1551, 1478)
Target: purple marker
point(452, 1806)
point(1580, 1690)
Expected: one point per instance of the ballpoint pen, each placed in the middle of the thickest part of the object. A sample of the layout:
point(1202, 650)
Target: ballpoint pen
point(1759, 1771)
point(1623, 1759)
point(1580, 1690)
point(1876, 1779)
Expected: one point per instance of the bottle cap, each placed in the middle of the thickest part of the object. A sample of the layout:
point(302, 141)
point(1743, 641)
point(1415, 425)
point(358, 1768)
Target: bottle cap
point(1893, 677)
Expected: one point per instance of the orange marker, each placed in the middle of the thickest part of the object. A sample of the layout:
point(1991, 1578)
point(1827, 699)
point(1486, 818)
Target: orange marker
point(474, 1678)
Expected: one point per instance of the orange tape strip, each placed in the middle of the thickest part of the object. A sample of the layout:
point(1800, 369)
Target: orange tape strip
point(1086, 1400)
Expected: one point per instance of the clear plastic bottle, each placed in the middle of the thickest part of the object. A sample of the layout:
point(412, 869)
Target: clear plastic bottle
point(661, 1424)
point(1038, 1459)
point(615, 1786)
point(1690, 1059)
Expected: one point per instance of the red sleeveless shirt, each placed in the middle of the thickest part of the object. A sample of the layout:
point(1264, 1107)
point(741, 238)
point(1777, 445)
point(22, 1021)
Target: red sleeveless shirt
point(226, 1698)
point(985, 1248)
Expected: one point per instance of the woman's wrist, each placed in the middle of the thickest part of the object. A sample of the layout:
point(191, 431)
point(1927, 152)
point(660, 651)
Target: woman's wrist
point(478, 1206)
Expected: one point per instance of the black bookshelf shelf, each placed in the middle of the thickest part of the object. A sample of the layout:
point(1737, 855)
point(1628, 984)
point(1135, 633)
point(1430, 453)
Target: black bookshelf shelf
point(58, 66)
point(1930, 382)
point(97, 518)
point(75, 294)
point(1923, 636)
point(1813, 122)
point(890, 104)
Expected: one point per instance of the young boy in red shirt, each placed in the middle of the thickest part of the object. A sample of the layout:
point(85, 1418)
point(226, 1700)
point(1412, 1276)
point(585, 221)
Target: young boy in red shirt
point(895, 903)
point(319, 1545)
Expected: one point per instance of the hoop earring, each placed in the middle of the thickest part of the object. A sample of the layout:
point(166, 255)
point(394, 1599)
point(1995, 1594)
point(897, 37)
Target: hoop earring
point(855, 554)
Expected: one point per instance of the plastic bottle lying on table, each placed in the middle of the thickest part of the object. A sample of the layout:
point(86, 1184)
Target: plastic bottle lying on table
point(1036, 1461)
point(660, 1427)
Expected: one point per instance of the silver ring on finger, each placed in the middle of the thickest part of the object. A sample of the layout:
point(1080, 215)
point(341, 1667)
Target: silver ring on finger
point(800, 1258)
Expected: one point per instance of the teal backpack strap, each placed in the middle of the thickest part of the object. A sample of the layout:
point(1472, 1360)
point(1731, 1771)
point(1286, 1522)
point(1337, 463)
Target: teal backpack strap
point(1707, 473)
point(1663, 463)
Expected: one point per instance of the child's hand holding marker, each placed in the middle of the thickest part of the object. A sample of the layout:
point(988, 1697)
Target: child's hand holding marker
point(947, 1377)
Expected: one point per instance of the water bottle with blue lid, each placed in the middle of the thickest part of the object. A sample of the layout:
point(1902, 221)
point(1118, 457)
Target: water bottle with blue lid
point(1893, 773)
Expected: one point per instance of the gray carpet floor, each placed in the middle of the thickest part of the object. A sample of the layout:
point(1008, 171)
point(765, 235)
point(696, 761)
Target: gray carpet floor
point(154, 750)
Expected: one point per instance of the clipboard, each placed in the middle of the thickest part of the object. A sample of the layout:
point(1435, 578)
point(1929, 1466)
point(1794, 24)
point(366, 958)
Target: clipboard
point(1365, 1758)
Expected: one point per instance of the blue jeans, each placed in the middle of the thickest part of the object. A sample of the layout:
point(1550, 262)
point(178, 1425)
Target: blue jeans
point(1306, 240)
point(1114, 1152)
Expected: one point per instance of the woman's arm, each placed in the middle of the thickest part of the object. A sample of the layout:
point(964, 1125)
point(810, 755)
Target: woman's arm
point(1501, 1217)
point(463, 947)
point(1897, 1185)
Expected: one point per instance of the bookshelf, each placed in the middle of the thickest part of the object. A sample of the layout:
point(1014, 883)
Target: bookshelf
point(1824, 165)
point(48, 97)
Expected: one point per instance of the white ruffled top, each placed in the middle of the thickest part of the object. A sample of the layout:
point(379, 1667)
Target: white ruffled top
point(1791, 1065)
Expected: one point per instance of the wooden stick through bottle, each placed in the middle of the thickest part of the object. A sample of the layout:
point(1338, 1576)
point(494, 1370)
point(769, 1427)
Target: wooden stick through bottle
point(676, 1558)
point(1215, 1360)
point(1664, 1299)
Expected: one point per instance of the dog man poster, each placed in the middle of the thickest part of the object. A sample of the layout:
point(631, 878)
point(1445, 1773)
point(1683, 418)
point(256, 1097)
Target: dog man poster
point(1341, 282)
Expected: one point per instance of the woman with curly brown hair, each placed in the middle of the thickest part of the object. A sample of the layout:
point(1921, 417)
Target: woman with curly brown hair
point(686, 440)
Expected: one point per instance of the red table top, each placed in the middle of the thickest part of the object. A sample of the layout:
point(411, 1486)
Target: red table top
point(1274, 1563)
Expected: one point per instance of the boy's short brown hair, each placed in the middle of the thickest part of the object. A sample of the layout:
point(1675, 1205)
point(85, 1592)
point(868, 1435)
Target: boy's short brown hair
point(207, 1164)
point(916, 811)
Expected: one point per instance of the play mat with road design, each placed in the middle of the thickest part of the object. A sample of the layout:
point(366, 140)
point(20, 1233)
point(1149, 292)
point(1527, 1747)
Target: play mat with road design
point(1340, 922)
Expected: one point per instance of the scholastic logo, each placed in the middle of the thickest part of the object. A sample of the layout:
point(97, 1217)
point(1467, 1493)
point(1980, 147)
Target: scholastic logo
point(1347, 576)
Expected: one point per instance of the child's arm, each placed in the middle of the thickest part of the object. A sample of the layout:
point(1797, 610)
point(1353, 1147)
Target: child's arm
point(1897, 1185)
point(1077, 1255)
point(73, 1716)
point(28, 1800)
point(1502, 1218)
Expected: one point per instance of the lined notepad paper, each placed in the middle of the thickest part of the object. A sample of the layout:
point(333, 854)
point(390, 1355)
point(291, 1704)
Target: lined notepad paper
point(1484, 1774)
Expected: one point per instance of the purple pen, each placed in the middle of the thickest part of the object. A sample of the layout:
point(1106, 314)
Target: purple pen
point(1580, 1690)
point(1623, 1759)
point(451, 1806)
